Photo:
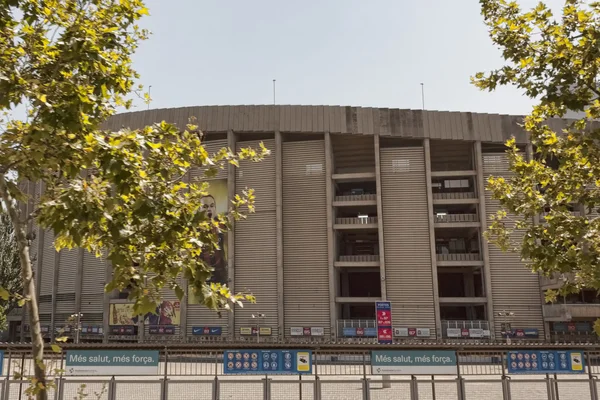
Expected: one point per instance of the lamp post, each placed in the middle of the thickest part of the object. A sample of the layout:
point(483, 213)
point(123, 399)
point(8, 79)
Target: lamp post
point(505, 315)
point(77, 318)
point(257, 317)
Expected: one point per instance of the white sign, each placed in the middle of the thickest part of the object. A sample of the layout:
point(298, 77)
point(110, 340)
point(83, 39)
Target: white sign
point(423, 332)
point(401, 332)
point(111, 362)
point(453, 332)
point(296, 331)
point(476, 333)
point(317, 331)
point(486, 333)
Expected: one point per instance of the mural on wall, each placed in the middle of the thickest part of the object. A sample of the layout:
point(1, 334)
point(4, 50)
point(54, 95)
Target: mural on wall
point(215, 203)
point(167, 313)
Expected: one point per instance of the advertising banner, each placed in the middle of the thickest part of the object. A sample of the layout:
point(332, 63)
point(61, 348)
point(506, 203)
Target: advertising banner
point(207, 330)
point(317, 331)
point(273, 362)
point(453, 332)
point(215, 203)
point(401, 332)
point(545, 362)
point(111, 362)
point(385, 332)
point(359, 332)
point(413, 362)
point(166, 313)
point(161, 330)
point(307, 331)
point(423, 332)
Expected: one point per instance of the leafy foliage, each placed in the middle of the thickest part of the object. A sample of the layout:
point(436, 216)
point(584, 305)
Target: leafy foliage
point(554, 60)
point(123, 194)
point(10, 275)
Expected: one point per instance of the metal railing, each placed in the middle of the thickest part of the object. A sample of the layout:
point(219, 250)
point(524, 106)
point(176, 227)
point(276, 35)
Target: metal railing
point(477, 324)
point(442, 218)
point(357, 197)
point(328, 388)
point(359, 258)
point(459, 257)
point(356, 221)
point(453, 195)
point(336, 374)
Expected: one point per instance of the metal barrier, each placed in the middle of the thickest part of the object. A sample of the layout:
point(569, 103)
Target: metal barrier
point(406, 388)
point(337, 374)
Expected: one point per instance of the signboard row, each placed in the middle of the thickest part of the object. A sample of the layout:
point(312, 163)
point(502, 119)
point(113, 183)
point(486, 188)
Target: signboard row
point(303, 331)
point(545, 361)
point(253, 331)
point(261, 362)
point(473, 333)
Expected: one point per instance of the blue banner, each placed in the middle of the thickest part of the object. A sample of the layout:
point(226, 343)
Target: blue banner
point(359, 332)
point(545, 362)
point(262, 362)
point(207, 330)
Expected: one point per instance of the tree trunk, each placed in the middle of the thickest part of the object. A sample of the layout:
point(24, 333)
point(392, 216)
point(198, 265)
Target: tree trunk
point(37, 341)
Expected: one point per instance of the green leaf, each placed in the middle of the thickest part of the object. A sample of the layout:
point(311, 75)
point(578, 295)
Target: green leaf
point(4, 295)
point(55, 348)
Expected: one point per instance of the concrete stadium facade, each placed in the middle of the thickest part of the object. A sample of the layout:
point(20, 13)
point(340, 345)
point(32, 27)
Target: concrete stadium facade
point(354, 205)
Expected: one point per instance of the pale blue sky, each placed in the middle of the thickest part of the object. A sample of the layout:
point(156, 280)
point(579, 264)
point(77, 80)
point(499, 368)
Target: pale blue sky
point(333, 52)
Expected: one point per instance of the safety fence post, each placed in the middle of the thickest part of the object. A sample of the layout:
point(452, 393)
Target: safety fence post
point(59, 388)
point(414, 388)
point(215, 391)
point(112, 390)
point(506, 387)
point(266, 388)
point(366, 389)
point(549, 387)
point(592, 378)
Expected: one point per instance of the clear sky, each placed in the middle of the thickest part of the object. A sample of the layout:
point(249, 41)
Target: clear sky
point(332, 52)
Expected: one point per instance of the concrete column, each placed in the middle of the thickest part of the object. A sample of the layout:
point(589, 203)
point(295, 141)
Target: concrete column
point(279, 219)
point(231, 171)
point(330, 234)
point(380, 220)
point(430, 220)
point(484, 246)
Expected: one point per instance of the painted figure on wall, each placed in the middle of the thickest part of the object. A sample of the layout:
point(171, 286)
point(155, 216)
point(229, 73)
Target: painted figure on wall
point(215, 259)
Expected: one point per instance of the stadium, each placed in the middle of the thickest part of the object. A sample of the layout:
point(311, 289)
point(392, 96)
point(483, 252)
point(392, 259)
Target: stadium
point(354, 205)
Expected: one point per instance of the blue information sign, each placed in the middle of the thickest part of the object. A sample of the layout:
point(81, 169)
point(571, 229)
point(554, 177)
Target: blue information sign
point(261, 362)
point(545, 362)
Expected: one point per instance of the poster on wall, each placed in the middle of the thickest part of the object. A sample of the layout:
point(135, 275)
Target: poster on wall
point(167, 313)
point(215, 203)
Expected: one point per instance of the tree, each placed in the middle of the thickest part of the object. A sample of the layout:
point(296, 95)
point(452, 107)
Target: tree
point(123, 193)
point(556, 62)
point(10, 269)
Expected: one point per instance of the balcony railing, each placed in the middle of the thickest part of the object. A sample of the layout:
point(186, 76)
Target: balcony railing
point(356, 323)
point(459, 257)
point(356, 221)
point(453, 195)
point(356, 197)
point(456, 218)
point(477, 324)
point(359, 258)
